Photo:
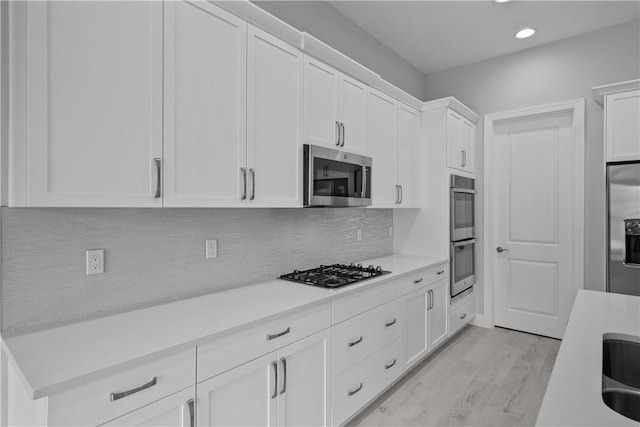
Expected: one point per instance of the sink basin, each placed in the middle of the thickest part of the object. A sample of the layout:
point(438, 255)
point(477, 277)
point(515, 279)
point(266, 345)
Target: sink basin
point(621, 374)
point(621, 358)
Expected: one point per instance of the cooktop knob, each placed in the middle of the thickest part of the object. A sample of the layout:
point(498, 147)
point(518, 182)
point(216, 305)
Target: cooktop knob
point(359, 266)
point(379, 268)
point(371, 267)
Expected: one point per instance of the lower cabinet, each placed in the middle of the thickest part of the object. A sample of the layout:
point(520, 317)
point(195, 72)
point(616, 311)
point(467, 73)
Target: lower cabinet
point(175, 410)
point(289, 386)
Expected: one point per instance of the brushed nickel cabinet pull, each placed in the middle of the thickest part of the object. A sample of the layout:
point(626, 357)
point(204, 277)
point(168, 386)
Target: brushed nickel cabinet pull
point(390, 365)
point(253, 183)
point(401, 194)
point(357, 389)
point(358, 341)
point(430, 295)
point(192, 415)
point(117, 396)
point(440, 272)
point(337, 133)
point(393, 322)
point(274, 365)
point(244, 183)
point(278, 335)
point(344, 134)
point(159, 183)
point(418, 280)
point(284, 375)
point(463, 316)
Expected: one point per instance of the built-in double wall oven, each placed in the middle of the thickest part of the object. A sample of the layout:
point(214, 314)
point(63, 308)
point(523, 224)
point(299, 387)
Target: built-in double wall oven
point(463, 241)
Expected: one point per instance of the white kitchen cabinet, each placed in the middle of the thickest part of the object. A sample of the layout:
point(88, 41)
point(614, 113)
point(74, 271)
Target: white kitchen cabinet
point(622, 126)
point(334, 108)
point(175, 410)
point(289, 386)
point(274, 121)
point(91, 76)
point(408, 157)
point(437, 313)
point(460, 142)
point(204, 105)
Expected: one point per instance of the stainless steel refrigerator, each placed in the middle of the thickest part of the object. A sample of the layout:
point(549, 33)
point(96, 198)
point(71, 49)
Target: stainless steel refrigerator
point(623, 207)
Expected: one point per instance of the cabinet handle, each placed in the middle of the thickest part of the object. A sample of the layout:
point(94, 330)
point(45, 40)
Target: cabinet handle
point(430, 297)
point(253, 183)
point(117, 396)
point(159, 183)
point(274, 365)
point(344, 134)
point(393, 322)
point(397, 194)
point(357, 389)
point(418, 280)
point(192, 415)
point(244, 183)
point(464, 158)
point(390, 365)
point(278, 335)
point(358, 341)
point(401, 194)
point(440, 272)
point(337, 133)
point(284, 375)
point(462, 316)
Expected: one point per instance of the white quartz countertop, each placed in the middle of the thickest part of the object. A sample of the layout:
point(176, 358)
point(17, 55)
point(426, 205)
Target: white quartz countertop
point(57, 359)
point(574, 393)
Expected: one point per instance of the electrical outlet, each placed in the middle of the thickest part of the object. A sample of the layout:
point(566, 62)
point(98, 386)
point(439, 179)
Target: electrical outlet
point(211, 249)
point(95, 261)
point(391, 231)
point(358, 234)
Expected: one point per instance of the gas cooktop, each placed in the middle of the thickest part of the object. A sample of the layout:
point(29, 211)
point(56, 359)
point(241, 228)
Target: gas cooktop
point(335, 276)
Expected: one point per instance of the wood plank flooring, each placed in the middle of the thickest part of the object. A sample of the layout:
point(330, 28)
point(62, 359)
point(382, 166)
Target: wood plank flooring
point(483, 377)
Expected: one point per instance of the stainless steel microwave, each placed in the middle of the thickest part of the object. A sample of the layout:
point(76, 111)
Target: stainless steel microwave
point(336, 178)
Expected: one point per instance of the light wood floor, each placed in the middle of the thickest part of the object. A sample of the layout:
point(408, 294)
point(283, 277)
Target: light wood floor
point(483, 377)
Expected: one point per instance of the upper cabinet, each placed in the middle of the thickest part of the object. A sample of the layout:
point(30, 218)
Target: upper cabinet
point(460, 142)
point(205, 63)
point(334, 108)
point(90, 83)
point(409, 152)
point(621, 103)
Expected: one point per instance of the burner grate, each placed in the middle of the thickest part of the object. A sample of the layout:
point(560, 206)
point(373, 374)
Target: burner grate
point(334, 276)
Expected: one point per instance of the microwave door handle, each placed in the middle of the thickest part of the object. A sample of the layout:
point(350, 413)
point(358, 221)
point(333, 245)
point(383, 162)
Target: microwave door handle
point(463, 190)
point(463, 243)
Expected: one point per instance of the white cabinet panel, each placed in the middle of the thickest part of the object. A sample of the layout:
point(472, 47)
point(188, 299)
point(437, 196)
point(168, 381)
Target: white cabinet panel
point(172, 411)
point(416, 339)
point(205, 104)
point(622, 126)
point(382, 145)
point(467, 145)
point(408, 158)
point(274, 117)
point(352, 114)
point(94, 94)
point(320, 103)
point(438, 313)
point(460, 142)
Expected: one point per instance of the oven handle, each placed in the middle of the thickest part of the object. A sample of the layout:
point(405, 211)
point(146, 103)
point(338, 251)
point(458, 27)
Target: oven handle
point(463, 190)
point(463, 243)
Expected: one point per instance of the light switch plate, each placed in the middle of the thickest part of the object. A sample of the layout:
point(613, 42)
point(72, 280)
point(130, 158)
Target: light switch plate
point(95, 261)
point(211, 249)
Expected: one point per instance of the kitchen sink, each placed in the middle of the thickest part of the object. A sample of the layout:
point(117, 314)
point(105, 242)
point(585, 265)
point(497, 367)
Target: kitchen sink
point(621, 374)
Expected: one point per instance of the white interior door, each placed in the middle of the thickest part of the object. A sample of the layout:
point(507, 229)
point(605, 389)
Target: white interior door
point(537, 221)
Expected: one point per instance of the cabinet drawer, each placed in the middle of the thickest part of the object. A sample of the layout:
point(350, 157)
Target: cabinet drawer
point(91, 404)
point(357, 386)
point(461, 316)
point(226, 353)
point(361, 336)
point(429, 276)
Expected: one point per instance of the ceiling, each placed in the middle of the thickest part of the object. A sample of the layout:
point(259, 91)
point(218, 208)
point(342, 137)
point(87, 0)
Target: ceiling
point(438, 35)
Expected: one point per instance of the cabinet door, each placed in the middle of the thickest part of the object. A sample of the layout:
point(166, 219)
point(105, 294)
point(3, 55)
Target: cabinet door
point(352, 107)
point(381, 136)
point(204, 102)
point(622, 126)
point(244, 396)
point(94, 96)
point(417, 342)
point(274, 117)
point(454, 150)
point(467, 145)
point(175, 410)
point(304, 381)
point(320, 103)
point(437, 313)
point(409, 156)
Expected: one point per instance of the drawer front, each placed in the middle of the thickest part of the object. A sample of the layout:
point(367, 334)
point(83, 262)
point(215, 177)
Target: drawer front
point(461, 316)
point(429, 276)
point(226, 353)
point(91, 404)
point(356, 387)
point(357, 338)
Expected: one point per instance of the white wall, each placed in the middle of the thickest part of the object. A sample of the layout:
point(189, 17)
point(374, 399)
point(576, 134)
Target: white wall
point(559, 71)
point(324, 22)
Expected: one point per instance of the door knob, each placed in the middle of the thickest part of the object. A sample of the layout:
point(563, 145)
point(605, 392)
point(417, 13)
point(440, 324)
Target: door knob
point(500, 249)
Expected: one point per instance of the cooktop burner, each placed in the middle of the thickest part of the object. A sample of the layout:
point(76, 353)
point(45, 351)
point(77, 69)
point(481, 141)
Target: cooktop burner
point(334, 276)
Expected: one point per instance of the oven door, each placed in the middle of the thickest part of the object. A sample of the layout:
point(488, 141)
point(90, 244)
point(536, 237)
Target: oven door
point(463, 266)
point(336, 178)
point(462, 213)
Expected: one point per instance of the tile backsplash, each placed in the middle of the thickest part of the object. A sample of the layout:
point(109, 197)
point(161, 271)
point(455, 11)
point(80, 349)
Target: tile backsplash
point(156, 255)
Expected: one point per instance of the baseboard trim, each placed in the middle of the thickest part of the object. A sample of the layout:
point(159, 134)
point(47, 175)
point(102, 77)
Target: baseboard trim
point(482, 321)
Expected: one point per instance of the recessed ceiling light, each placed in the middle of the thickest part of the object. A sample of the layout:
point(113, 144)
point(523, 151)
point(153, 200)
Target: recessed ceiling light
point(525, 32)
point(502, 1)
